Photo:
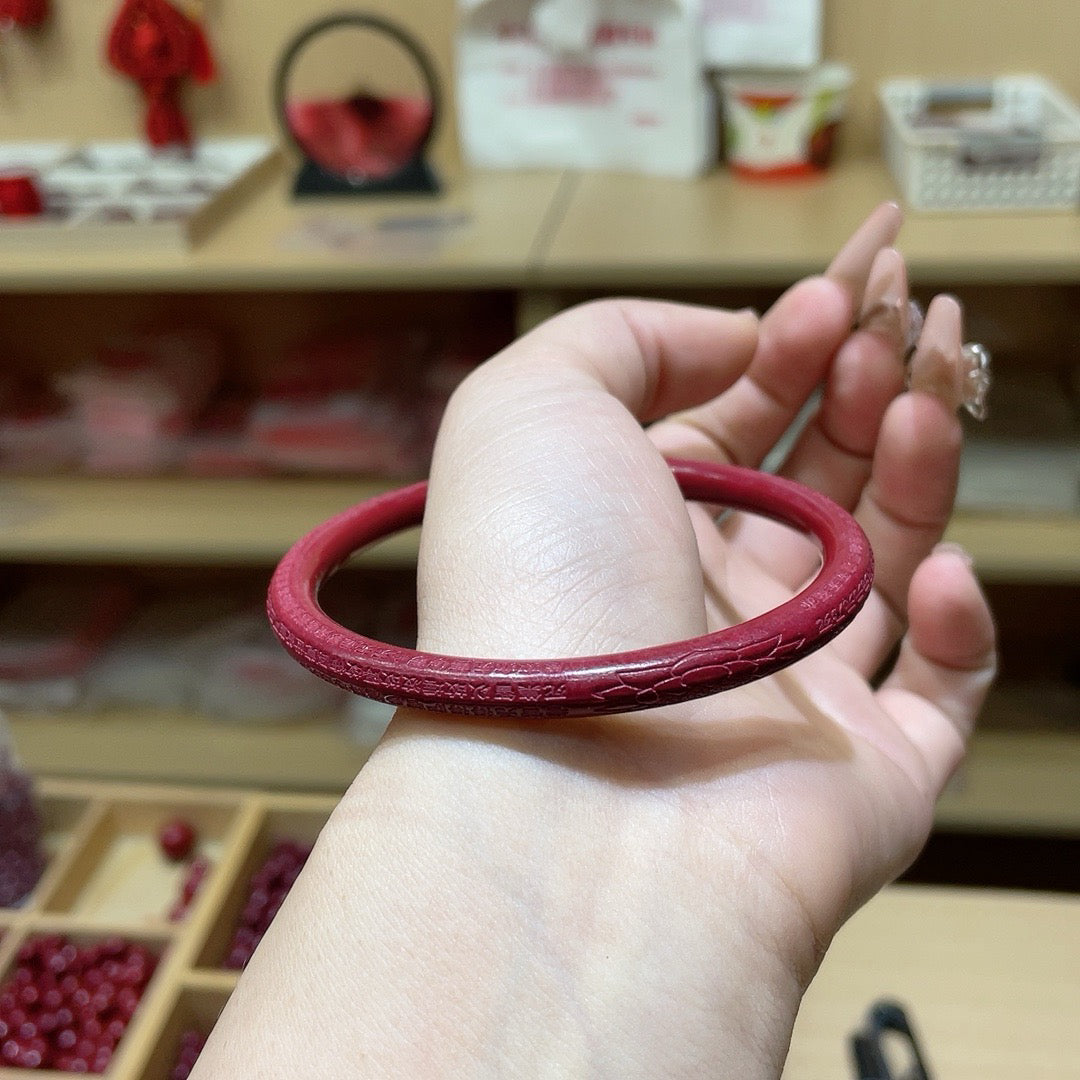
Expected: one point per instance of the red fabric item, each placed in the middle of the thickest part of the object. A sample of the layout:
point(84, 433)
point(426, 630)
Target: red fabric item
point(166, 124)
point(364, 135)
point(24, 13)
point(158, 46)
point(20, 195)
point(203, 65)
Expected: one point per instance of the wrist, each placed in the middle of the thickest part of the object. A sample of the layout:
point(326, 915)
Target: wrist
point(599, 933)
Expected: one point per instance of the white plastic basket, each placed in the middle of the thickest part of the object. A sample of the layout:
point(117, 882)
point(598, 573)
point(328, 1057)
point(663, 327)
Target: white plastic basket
point(1009, 144)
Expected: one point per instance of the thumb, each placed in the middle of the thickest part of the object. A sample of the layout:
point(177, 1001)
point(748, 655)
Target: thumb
point(553, 525)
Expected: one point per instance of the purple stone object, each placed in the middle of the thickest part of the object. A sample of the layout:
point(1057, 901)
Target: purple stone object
point(21, 857)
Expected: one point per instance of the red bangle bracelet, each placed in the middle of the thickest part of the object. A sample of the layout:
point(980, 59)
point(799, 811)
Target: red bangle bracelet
point(588, 685)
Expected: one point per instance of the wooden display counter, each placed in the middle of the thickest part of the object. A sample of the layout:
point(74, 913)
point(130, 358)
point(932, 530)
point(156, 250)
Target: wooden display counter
point(723, 230)
point(553, 229)
point(990, 979)
point(107, 879)
point(485, 230)
point(214, 522)
point(1020, 782)
point(537, 241)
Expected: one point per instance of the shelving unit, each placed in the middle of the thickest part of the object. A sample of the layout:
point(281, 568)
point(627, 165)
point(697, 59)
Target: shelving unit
point(252, 523)
point(176, 520)
point(540, 240)
point(986, 1013)
point(554, 230)
point(1011, 782)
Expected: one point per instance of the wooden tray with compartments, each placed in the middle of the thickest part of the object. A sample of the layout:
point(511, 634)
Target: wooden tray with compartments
point(956, 956)
point(126, 196)
point(106, 877)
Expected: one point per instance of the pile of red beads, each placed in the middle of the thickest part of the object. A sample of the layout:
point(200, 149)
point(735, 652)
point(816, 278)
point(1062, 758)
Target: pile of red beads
point(176, 839)
point(191, 1044)
point(66, 1006)
point(189, 887)
point(267, 889)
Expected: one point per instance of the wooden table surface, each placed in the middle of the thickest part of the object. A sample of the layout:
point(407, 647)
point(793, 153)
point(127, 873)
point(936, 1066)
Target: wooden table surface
point(990, 980)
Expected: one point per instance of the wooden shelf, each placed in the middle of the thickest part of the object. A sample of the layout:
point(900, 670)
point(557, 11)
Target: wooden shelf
point(482, 232)
point(722, 230)
point(549, 229)
point(176, 747)
point(989, 977)
point(253, 522)
point(1021, 781)
point(1019, 547)
point(176, 520)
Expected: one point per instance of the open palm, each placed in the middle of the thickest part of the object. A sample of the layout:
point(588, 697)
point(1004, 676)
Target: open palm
point(554, 528)
point(642, 895)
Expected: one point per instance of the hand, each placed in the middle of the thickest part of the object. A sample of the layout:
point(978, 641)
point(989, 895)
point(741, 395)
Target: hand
point(649, 894)
point(554, 528)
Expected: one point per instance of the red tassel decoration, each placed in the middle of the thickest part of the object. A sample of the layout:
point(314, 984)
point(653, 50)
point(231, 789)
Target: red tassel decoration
point(158, 46)
point(25, 13)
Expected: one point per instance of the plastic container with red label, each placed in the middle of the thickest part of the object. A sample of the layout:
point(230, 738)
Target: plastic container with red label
point(782, 124)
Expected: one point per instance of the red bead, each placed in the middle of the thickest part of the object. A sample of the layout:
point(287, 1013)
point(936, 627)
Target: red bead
point(30, 1058)
point(267, 889)
point(91, 1028)
point(191, 1044)
point(126, 1002)
point(65, 1007)
point(176, 839)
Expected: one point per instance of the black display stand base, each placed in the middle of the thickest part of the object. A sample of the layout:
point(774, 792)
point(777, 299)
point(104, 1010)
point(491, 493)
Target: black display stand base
point(416, 178)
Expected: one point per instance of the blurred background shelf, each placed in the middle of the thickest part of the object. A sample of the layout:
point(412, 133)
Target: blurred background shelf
point(1020, 547)
point(552, 229)
point(163, 745)
point(1021, 781)
point(254, 521)
point(176, 520)
point(645, 231)
point(512, 248)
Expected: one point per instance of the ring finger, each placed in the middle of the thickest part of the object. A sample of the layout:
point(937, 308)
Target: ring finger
point(834, 452)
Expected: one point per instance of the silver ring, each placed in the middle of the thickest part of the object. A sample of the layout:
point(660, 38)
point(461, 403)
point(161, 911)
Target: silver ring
point(915, 321)
point(977, 378)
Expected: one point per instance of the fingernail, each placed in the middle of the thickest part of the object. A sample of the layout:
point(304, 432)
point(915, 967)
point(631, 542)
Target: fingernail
point(936, 365)
point(950, 547)
point(885, 306)
point(851, 267)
